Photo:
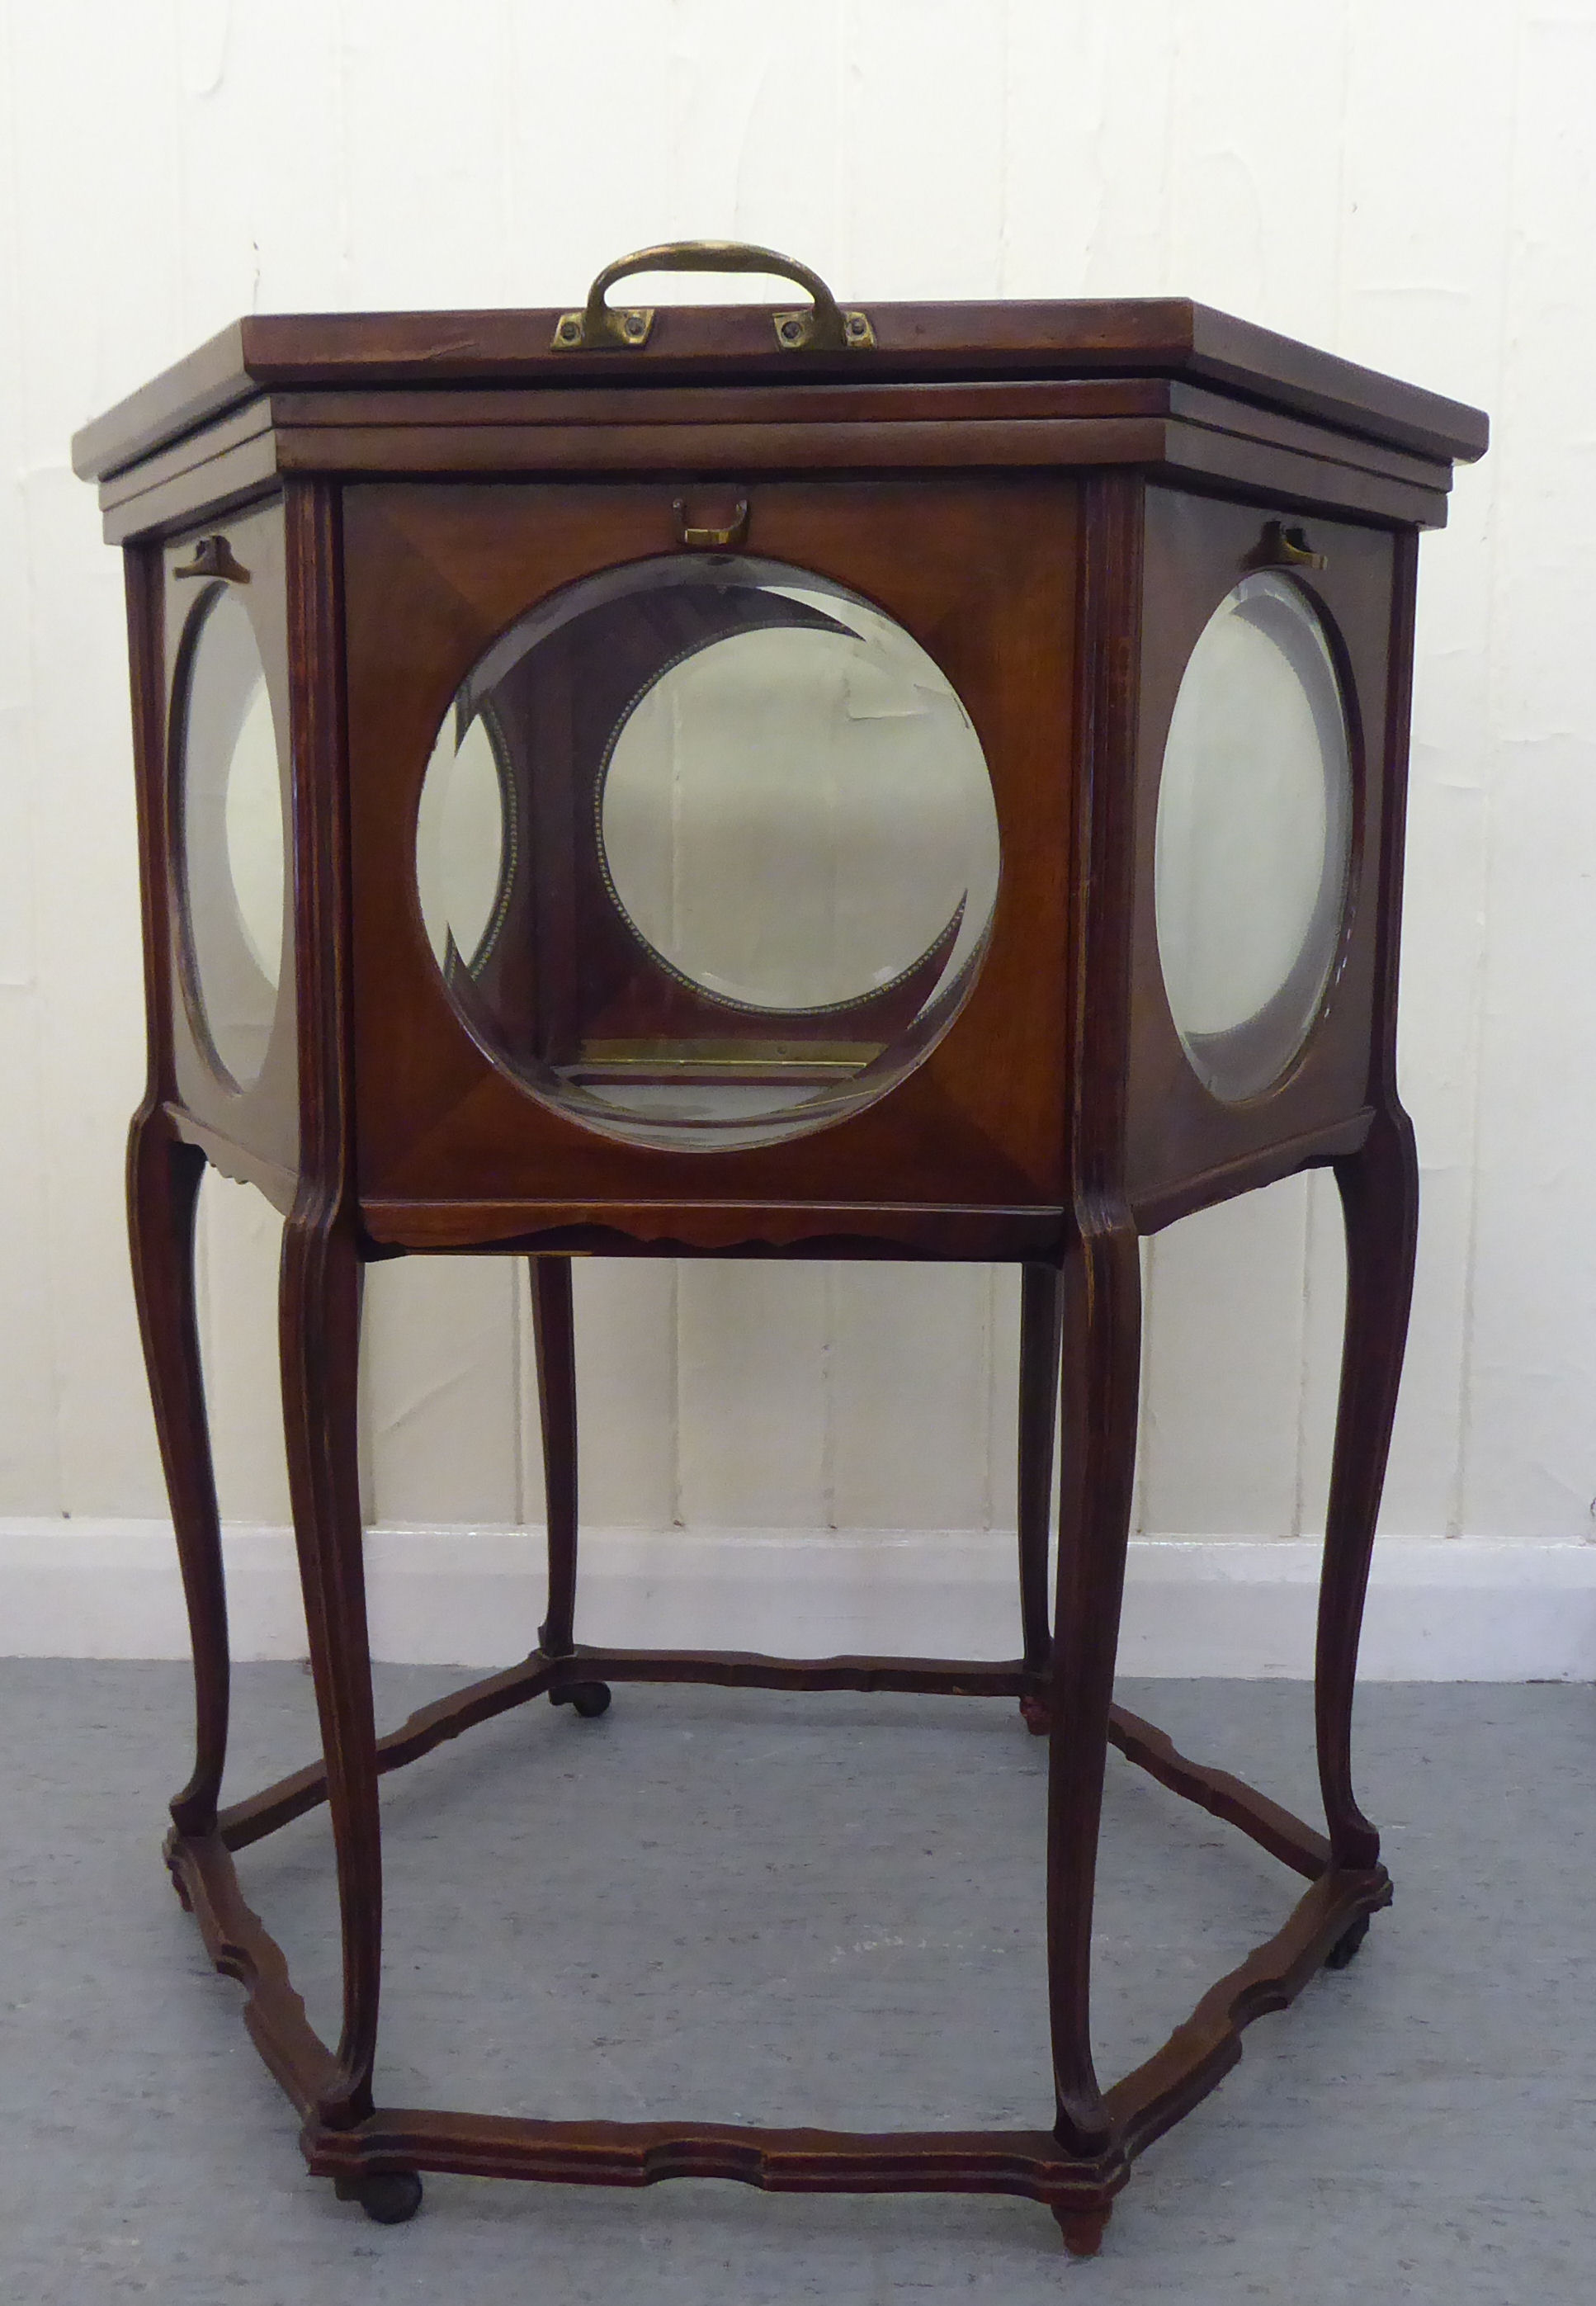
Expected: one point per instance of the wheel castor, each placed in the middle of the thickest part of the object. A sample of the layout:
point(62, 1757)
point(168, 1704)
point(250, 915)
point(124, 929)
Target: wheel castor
point(1346, 1945)
point(590, 1698)
point(1036, 1713)
point(1082, 2229)
point(389, 2196)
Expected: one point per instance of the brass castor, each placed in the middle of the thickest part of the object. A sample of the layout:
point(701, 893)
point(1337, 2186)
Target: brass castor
point(389, 2196)
point(1346, 1945)
point(1082, 2229)
point(1036, 1713)
point(590, 1698)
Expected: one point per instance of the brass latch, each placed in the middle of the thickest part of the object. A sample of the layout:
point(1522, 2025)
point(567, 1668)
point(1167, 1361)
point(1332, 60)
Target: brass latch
point(714, 539)
point(213, 557)
point(1280, 547)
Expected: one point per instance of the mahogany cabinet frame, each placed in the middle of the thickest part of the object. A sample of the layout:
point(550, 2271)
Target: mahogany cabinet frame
point(1052, 499)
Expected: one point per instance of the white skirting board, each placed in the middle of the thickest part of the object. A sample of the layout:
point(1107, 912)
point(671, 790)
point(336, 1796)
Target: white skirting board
point(1440, 1610)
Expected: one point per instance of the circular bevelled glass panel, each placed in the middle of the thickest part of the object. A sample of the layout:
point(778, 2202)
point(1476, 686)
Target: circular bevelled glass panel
point(234, 842)
point(707, 852)
point(1254, 836)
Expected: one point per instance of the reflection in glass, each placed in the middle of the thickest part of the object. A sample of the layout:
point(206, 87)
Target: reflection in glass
point(1253, 836)
point(460, 841)
point(252, 808)
point(234, 842)
point(707, 852)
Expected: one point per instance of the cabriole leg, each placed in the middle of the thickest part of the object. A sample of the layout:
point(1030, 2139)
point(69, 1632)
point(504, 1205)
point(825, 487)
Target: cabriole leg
point(163, 1191)
point(554, 1344)
point(1380, 1201)
point(1102, 1340)
point(1041, 1334)
point(553, 1338)
point(319, 1321)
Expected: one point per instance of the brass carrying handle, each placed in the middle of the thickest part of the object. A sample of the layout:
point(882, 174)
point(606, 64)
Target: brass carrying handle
point(821, 327)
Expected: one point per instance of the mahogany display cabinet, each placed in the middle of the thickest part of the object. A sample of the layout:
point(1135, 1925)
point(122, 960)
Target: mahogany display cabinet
point(924, 781)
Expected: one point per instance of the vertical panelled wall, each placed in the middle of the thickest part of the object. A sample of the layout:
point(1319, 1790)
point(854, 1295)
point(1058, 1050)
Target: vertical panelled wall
point(1359, 175)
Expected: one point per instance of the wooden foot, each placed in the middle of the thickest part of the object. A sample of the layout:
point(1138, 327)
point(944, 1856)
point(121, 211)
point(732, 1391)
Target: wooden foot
point(1082, 2229)
point(1036, 1713)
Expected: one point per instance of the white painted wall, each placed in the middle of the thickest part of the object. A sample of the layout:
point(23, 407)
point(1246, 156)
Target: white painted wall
point(1407, 182)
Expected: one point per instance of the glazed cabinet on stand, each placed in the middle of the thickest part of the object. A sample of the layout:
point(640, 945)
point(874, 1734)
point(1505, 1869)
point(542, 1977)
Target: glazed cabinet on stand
point(915, 782)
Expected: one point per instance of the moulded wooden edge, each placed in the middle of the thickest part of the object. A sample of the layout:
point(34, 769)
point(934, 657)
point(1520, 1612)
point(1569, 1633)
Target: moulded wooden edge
point(1199, 2055)
point(799, 1229)
point(1275, 1828)
point(241, 1947)
point(1268, 366)
point(431, 1726)
point(469, 430)
point(1164, 336)
point(384, 424)
point(1199, 454)
point(989, 400)
point(209, 487)
point(1149, 2101)
point(1222, 412)
point(239, 428)
point(1156, 1206)
point(1283, 1835)
point(892, 444)
point(814, 1229)
point(1031, 2162)
point(1162, 444)
point(1188, 452)
point(820, 1229)
point(244, 1168)
point(1184, 453)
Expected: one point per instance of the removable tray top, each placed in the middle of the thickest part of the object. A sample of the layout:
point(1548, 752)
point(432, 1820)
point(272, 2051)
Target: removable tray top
point(734, 344)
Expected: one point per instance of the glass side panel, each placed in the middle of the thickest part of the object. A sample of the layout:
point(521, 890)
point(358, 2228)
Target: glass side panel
point(233, 840)
point(1254, 836)
point(707, 852)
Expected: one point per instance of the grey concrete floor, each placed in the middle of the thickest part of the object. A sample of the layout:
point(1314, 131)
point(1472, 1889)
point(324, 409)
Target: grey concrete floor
point(742, 1905)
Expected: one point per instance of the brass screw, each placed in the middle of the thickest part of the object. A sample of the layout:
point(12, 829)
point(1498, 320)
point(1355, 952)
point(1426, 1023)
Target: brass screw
point(570, 331)
point(791, 330)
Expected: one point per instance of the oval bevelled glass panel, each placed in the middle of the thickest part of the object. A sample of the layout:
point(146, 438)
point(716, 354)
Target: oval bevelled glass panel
point(707, 852)
point(1254, 836)
point(234, 843)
